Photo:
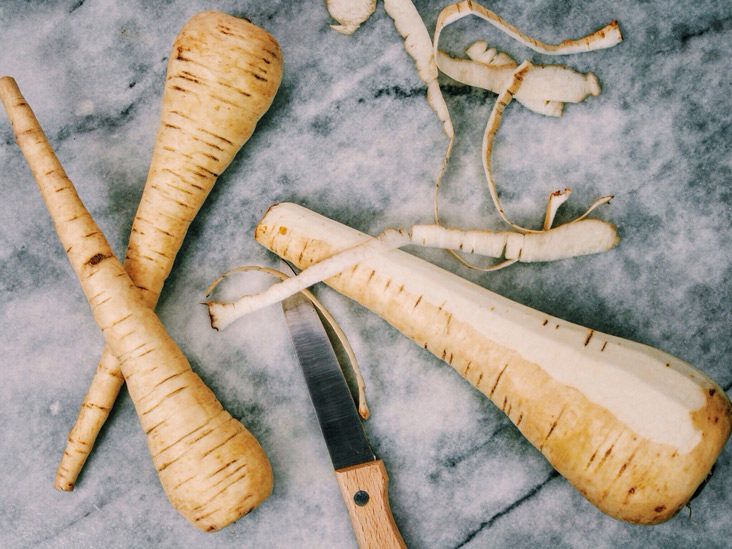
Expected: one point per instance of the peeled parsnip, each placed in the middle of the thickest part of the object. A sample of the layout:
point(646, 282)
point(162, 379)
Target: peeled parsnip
point(222, 76)
point(212, 469)
point(634, 429)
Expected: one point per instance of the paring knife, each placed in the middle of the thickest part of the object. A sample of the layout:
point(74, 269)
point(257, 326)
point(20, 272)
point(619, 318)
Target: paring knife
point(361, 476)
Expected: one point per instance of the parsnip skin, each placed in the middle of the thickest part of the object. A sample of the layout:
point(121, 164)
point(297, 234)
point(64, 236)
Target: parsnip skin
point(222, 75)
point(211, 468)
point(626, 475)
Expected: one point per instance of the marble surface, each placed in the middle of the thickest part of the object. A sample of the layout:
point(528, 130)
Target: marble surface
point(350, 135)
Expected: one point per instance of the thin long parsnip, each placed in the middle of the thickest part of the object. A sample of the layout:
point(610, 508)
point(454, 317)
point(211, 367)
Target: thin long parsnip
point(223, 73)
point(212, 469)
point(634, 429)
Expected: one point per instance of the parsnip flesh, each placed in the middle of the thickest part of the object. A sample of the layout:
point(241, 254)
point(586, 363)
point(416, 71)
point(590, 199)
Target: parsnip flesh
point(612, 395)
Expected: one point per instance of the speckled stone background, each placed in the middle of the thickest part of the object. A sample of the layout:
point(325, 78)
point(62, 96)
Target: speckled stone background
point(350, 135)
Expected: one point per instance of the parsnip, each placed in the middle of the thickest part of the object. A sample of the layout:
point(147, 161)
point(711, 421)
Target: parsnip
point(222, 75)
point(211, 468)
point(634, 429)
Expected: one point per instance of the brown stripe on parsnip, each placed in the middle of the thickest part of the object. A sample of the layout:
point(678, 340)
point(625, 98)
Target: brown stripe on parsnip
point(184, 481)
point(217, 471)
point(217, 509)
point(188, 76)
point(183, 90)
point(608, 451)
point(120, 320)
point(255, 75)
point(159, 383)
point(181, 189)
point(203, 130)
point(170, 197)
point(180, 57)
point(94, 406)
point(182, 115)
point(498, 379)
point(212, 450)
point(200, 427)
point(203, 175)
point(234, 88)
point(551, 429)
point(226, 487)
point(624, 466)
point(158, 424)
point(242, 476)
point(163, 399)
point(96, 259)
point(225, 101)
point(183, 179)
point(589, 337)
point(163, 231)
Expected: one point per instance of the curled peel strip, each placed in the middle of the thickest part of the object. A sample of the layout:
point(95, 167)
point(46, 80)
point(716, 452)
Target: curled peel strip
point(363, 408)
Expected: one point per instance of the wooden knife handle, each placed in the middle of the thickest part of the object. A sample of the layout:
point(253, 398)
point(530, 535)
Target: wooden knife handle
point(364, 489)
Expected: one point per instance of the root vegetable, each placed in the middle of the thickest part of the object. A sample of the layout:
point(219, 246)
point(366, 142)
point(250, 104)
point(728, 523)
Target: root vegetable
point(634, 429)
point(212, 469)
point(222, 75)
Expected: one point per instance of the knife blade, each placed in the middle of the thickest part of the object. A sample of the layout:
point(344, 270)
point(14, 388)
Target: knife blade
point(360, 474)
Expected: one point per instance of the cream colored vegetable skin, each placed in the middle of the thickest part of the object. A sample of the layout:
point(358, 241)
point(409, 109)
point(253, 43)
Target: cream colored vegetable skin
point(222, 76)
point(634, 429)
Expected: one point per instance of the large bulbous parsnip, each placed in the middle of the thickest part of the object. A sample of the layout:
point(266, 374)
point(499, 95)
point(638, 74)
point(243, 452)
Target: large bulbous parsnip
point(212, 469)
point(223, 73)
point(634, 429)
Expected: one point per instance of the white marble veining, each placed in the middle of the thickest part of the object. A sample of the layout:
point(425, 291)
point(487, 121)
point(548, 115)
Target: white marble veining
point(350, 135)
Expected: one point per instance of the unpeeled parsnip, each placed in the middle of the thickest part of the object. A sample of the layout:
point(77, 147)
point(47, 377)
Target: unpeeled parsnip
point(212, 469)
point(222, 75)
point(634, 429)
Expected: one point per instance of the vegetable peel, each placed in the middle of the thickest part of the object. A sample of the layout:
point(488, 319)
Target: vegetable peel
point(569, 240)
point(363, 408)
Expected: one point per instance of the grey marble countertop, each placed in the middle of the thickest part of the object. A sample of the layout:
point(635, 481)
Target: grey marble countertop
point(351, 135)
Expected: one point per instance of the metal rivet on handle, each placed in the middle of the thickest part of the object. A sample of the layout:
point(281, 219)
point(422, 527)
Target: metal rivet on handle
point(361, 498)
